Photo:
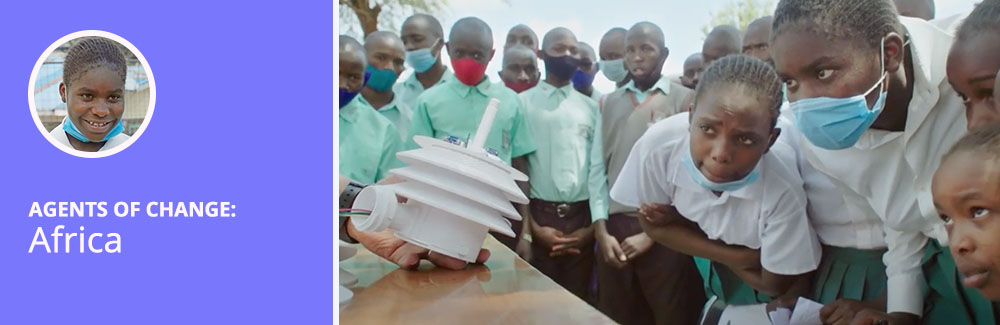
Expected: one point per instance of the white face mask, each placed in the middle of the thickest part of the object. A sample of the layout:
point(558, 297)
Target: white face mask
point(614, 70)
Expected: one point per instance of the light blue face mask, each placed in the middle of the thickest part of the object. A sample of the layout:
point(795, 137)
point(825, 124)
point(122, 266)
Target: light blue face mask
point(73, 131)
point(421, 60)
point(700, 178)
point(614, 70)
point(837, 123)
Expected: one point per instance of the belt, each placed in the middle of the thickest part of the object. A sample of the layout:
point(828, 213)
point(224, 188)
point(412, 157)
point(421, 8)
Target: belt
point(560, 209)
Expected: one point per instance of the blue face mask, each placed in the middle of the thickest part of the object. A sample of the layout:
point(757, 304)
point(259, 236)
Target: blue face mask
point(614, 70)
point(346, 96)
point(381, 79)
point(421, 60)
point(583, 80)
point(700, 178)
point(73, 131)
point(837, 123)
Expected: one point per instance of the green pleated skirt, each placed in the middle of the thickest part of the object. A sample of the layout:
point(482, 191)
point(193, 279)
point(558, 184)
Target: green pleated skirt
point(947, 300)
point(724, 284)
point(849, 273)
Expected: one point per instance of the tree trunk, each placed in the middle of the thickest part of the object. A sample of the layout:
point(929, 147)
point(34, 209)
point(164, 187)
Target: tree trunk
point(367, 15)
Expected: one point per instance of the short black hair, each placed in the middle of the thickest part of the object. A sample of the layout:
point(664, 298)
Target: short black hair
point(90, 53)
point(984, 18)
point(435, 25)
point(753, 75)
point(349, 44)
point(869, 20)
point(650, 29)
point(984, 139)
point(472, 25)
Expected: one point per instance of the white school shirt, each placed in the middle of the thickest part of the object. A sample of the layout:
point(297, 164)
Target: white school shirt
point(836, 224)
point(889, 173)
point(60, 136)
point(769, 214)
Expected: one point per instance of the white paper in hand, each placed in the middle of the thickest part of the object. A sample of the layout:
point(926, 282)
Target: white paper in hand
point(806, 312)
point(745, 314)
point(780, 316)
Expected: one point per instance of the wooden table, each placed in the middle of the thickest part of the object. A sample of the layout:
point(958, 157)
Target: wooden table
point(506, 290)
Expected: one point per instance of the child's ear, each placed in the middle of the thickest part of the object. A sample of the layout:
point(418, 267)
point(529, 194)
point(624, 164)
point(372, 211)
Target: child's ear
point(663, 58)
point(894, 52)
point(62, 91)
point(775, 133)
point(437, 47)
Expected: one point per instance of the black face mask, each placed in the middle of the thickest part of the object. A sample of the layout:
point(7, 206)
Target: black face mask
point(562, 67)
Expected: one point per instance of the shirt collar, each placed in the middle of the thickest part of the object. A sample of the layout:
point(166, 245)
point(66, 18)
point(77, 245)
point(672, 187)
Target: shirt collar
point(392, 105)
point(663, 85)
point(464, 90)
point(550, 90)
point(350, 112)
point(413, 82)
point(929, 71)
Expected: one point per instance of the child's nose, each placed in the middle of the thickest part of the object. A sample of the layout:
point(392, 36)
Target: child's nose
point(961, 243)
point(101, 109)
point(720, 154)
point(981, 113)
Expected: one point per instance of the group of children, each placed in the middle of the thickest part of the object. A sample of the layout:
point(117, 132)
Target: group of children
point(830, 160)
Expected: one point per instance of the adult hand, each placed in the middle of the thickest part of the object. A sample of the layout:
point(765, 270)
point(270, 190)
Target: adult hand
point(385, 244)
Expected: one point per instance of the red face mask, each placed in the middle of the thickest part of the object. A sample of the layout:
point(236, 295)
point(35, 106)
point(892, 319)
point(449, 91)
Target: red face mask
point(468, 71)
point(520, 87)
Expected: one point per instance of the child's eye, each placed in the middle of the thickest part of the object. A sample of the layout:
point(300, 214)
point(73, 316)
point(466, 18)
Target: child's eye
point(746, 140)
point(790, 83)
point(114, 99)
point(87, 96)
point(979, 212)
point(945, 218)
point(824, 74)
point(707, 129)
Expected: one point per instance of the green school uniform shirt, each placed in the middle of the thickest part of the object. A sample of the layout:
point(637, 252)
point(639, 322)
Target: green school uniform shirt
point(568, 164)
point(368, 143)
point(411, 88)
point(396, 112)
point(662, 85)
point(455, 109)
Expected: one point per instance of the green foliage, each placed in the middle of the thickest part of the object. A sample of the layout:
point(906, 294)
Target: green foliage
point(739, 13)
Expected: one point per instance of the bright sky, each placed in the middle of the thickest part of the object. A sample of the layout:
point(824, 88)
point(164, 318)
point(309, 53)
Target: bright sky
point(589, 20)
